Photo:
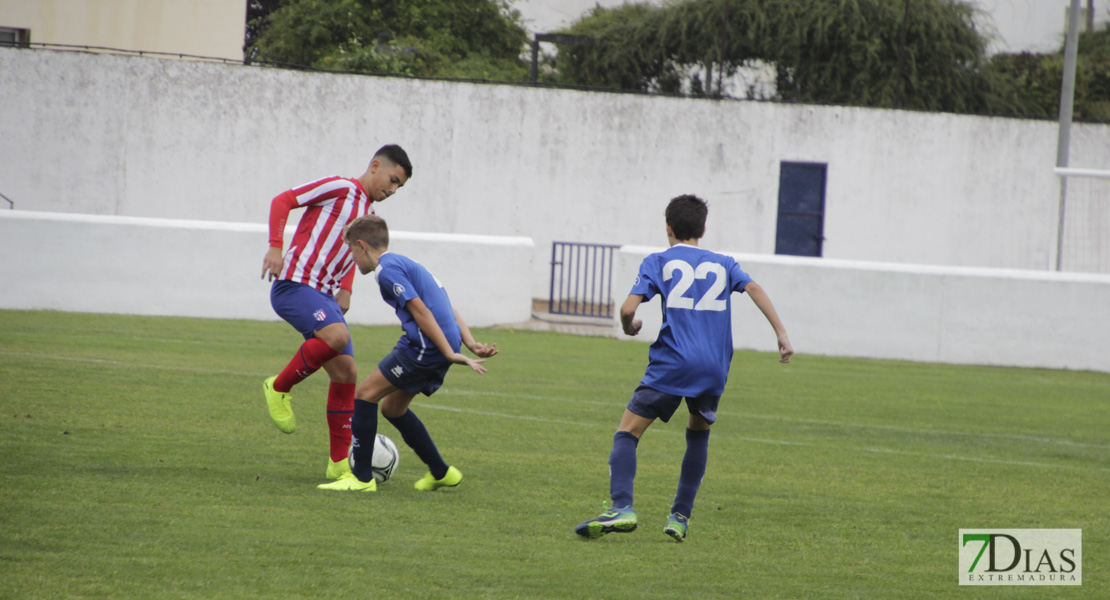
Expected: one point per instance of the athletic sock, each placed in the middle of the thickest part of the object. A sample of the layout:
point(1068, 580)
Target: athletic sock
point(622, 468)
point(341, 406)
point(417, 437)
point(693, 470)
point(312, 355)
point(364, 431)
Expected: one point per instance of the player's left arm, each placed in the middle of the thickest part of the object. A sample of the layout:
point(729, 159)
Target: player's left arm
point(483, 350)
point(426, 321)
point(763, 301)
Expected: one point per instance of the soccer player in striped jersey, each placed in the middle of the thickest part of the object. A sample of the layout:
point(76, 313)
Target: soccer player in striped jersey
point(312, 289)
point(690, 360)
point(434, 334)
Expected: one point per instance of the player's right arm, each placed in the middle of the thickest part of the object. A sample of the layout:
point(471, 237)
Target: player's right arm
point(280, 206)
point(629, 321)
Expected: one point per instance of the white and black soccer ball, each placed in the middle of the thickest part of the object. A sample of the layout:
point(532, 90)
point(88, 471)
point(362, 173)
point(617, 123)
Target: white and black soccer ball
point(385, 458)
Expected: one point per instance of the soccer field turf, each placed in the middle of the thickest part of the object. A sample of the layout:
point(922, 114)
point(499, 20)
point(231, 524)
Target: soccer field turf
point(139, 462)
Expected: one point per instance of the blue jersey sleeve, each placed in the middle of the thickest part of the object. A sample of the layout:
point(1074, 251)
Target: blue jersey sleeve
point(395, 286)
point(647, 284)
point(738, 277)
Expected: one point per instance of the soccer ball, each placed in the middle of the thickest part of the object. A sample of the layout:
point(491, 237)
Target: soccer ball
point(385, 458)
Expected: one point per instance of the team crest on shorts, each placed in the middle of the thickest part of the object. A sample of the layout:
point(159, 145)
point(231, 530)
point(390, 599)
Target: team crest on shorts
point(320, 315)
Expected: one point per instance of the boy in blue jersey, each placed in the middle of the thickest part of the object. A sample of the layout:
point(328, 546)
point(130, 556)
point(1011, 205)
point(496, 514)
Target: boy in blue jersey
point(690, 360)
point(434, 333)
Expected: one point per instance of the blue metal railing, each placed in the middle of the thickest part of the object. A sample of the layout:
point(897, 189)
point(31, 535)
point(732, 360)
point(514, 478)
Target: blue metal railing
point(582, 279)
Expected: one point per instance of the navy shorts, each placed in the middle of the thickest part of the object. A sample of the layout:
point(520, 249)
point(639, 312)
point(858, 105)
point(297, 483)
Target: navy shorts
point(412, 377)
point(307, 309)
point(653, 404)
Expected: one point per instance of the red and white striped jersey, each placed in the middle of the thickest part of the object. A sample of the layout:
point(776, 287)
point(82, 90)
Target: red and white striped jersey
point(317, 255)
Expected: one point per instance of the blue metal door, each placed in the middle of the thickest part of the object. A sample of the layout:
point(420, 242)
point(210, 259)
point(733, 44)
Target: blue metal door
point(801, 222)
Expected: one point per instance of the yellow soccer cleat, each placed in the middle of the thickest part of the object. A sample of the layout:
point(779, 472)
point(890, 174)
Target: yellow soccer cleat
point(350, 483)
point(337, 469)
point(427, 483)
point(281, 413)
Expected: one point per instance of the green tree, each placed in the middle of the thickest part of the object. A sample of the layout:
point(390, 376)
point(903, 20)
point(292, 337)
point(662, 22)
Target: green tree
point(630, 55)
point(481, 39)
point(258, 13)
point(922, 54)
point(1035, 78)
point(878, 53)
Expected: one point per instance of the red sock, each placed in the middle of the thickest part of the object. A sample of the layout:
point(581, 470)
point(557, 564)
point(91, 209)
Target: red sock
point(341, 405)
point(312, 355)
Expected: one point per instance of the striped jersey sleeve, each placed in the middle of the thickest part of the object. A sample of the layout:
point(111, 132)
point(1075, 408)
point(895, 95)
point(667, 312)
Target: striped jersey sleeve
point(317, 255)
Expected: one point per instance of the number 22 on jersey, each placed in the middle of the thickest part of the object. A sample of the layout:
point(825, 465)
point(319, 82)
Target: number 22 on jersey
point(712, 299)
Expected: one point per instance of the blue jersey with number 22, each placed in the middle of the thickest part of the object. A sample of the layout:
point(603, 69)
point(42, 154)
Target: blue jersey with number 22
point(691, 357)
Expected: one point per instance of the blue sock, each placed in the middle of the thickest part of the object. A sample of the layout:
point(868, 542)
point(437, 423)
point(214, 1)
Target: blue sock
point(622, 468)
point(416, 436)
point(693, 470)
point(364, 430)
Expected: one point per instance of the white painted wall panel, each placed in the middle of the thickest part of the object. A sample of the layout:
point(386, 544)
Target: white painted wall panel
point(145, 137)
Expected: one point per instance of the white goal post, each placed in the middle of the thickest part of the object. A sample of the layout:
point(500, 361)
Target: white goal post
point(1083, 231)
point(1095, 247)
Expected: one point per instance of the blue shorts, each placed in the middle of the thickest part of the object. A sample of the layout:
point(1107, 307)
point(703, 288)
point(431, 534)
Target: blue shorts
point(653, 404)
point(307, 309)
point(412, 377)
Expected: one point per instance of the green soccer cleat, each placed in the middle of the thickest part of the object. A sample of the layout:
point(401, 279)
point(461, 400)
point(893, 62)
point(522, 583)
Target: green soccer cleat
point(337, 469)
point(620, 520)
point(350, 483)
point(427, 483)
point(676, 527)
point(281, 413)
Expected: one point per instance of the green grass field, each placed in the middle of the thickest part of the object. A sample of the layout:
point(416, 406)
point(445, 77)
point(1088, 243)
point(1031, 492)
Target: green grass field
point(138, 461)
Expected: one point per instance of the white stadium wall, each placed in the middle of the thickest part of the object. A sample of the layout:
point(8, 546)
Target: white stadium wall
point(145, 137)
point(162, 267)
point(185, 157)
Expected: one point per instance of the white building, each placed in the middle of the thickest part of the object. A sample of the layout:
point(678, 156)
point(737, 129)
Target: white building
point(209, 28)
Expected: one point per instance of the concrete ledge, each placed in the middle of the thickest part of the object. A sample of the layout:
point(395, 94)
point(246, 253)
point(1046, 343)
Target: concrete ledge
point(129, 265)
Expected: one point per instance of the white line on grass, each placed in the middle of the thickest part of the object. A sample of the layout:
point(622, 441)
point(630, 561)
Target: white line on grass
point(484, 413)
point(1028, 438)
point(130, 365)
point(742, 415)
point(997, 461)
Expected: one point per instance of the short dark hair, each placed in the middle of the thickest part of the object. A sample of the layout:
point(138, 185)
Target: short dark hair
point(370, 229)
point(686, 216)
point(396, 155)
